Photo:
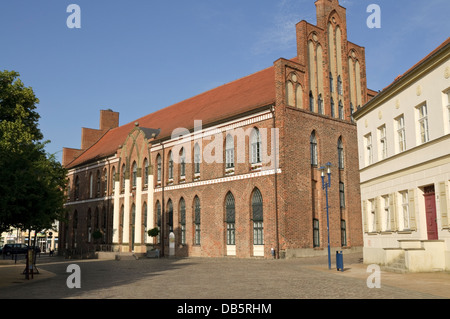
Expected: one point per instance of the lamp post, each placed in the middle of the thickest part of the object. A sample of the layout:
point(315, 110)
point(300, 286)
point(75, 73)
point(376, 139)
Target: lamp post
point(325, 186)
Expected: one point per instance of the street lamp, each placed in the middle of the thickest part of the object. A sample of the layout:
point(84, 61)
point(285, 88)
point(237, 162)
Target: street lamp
point(325, 186)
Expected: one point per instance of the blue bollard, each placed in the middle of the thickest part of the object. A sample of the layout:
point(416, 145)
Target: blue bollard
point(339, 261)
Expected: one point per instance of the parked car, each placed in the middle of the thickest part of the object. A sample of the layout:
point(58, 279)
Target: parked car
point(9, 249)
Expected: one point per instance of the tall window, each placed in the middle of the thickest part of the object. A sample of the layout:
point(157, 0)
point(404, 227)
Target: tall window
point(123, 177)
point(341, 194)
point(313, 149)
point(311, 101)
point(182, 163)
point(134, 174)
point(316, 238)
point(387, 214)
point(333, 114)
point(197, 158)
point(401, 137)
point(229, 151)
point(382, 142)
point(343, 233)
point(145, 177)
point(170, 215)
point(105, 181)
point(331, 83)
point(183, 220)
point(158, 168)
point(320, 104)
point(257, 216)
point(373, 217)
point(77, 188)
point(99, 183)
point(170, 166)
point(405, 209)
point(196, 221)
point(256, 146)
point(340, 154)
point(423, 123)
point(230, 219)
point(144, 221)
point(352, 110)
point(368, 149)
point(339, 85)
point(113, 178)
point(158, 221)
point(91, 185)
point(341, 110)
point(133, 224)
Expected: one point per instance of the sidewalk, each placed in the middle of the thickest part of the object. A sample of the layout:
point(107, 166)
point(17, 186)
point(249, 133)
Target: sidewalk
point(435, 283)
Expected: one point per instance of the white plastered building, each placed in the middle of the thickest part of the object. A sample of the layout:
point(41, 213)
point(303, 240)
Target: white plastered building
point(404, 160)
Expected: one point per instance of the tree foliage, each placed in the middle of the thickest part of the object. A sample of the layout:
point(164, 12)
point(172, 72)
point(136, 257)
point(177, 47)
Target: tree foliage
point(32, 183)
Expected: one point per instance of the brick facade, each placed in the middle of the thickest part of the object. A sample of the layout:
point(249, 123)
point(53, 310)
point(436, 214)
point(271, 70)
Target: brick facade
point(276, 100)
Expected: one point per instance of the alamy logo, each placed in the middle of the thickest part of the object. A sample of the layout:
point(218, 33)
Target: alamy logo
point(74, 280)
point(74, 20)
point(374, 280)
point(374, 20)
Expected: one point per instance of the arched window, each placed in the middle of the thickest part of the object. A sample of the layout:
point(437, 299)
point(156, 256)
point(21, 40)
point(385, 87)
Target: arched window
point(341, 110)
point(99, 178)
point(91, 185)
point(340, 154)
point(77, 188)
point(257, 216)
point(311, 101)
point(332, 108)
point(197, 220)
point(158, 220)
point(113, 178)
point(320, 104)
point(182, 163)
point(105, 182)
point(144, 221)
point(133, 225)
point(183, 220)
point(170, 215)
point(145, 177)
point(229, 151)
point(313, 147)
point(158, 168)
point(123, 177)
point(339, 85)
point(134, 174)
point(170, 165)
point(255, 146)
point(230, 219)
point(196, 159)
point(331, 83)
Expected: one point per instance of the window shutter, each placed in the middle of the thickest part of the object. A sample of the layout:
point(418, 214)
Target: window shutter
point(377, 214)
point(365, 217)
point(443, 204)
point(412, 209)
point(393, 211)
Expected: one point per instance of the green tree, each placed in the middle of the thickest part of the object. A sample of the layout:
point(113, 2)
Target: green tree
point(32, 183)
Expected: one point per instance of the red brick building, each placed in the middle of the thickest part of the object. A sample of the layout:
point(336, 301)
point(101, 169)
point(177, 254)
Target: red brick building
point(242, 177)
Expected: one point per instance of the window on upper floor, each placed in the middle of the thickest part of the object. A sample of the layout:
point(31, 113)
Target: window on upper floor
point(145, 177)
point(134, 174)
point(331, 83)
point(339, 85)
point(182, 163)
point(229, 152)
point(382, 143)
point(256, 145)
point(368, 149)
point(401, 135)
point(313, 149)
point(422, 114)
point(341, 110)
point(340, 154)
point(170, 166)
point(311, 101)
point(447, 109)
point(158, 168)
point(333, 113)
point(197, 159)
point(320, 104)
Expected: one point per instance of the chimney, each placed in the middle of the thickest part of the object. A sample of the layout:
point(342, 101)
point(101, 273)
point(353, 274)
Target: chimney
point(108, 119)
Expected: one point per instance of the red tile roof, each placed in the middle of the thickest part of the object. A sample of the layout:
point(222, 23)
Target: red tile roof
point(245, 94)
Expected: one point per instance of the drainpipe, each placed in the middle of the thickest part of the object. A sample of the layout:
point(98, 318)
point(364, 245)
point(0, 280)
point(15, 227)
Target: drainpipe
point(277, 249)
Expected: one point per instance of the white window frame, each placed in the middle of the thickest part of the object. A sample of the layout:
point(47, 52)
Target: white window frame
point(422, 113)
point(401, 134)
point(387, 213)
point(373, 216)
point(368, 149)
point(382, 140)
point(404, 210)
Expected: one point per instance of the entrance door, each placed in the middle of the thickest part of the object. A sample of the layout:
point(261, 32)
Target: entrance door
point(430, 211)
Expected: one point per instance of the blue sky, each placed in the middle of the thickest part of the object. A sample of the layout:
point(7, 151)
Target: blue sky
point(138, 56)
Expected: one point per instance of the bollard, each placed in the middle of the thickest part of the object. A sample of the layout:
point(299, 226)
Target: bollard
point(339, 261)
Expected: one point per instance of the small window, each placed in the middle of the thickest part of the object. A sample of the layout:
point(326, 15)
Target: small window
point(196, 221)
point(339, 85)
point(256, 146)
point(311, 101)
point(134, 174)
point(423, 123)
point(229, 152)
point(183, 221)
point(341, 110)
point(340, 154)
point(313, 149)
point(382, 143)
point(316, 237)
point(158, 168)
point(170, 166)
point(320, 104)
point(182, 163)
point(197, 159)
point(257, 216)
point(401, 136)
point(230, 219)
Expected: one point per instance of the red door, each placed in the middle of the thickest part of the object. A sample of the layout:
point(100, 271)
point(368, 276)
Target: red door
point(430, 210)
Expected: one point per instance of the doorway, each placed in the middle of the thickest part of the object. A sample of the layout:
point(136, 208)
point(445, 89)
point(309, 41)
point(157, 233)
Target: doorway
point(430, 212)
